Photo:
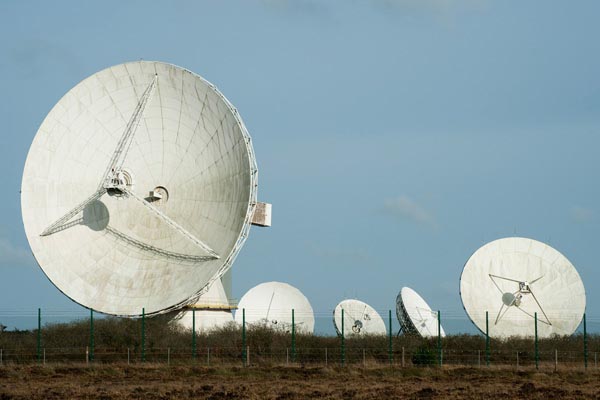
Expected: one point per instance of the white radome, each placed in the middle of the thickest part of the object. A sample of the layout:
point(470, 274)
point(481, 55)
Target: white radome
point(415, 315)
point(271, 304)
point(139, 189)
point(513, 279)
point(360, 319)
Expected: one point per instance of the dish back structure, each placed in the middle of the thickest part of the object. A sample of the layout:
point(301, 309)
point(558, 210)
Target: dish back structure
point(415, 315)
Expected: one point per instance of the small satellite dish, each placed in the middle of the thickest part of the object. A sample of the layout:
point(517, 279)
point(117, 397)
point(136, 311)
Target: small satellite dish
point(139, 189)
point(359, 319)
point(211, 311)
point(515, 278)
point(271, 304)
point(415, 315)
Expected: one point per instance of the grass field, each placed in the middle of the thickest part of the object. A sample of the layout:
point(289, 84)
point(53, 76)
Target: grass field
point(158, 381)
point(170, 372)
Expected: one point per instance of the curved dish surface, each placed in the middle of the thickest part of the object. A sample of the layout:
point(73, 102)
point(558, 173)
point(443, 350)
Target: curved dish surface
point(514, 279)
point(415, 315)
point(271, 304)
point(359, 319)
point(139, 189)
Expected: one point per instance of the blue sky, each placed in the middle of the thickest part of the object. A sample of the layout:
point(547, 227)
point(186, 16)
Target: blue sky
point(393, 137)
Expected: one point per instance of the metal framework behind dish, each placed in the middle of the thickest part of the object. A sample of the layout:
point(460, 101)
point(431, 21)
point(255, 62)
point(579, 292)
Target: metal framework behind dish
point(407, 327)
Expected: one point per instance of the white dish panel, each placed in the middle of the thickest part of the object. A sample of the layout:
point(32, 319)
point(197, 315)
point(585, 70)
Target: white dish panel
point(271, 304)
point(415, 315)
point(515, 278)
point(117, 255)
point(359, 319)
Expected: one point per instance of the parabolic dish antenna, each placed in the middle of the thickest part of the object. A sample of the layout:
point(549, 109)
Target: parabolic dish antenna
point(359, 319)
point(271, 304)
point(515, 278)
point(415, 315)
point(139, 189)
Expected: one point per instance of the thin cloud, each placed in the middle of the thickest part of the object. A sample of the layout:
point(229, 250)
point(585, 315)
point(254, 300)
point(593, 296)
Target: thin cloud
point(405, 208)
point(581, 215)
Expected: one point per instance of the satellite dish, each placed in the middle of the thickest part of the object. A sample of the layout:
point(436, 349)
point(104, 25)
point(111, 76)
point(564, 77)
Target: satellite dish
point(515, 278)
point(415, 315)
point(139, 189)
point(211, 311)
point(271, 304)
point(359, 319)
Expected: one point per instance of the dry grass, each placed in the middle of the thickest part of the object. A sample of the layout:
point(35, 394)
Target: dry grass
point(222, 376)
point(158, 381)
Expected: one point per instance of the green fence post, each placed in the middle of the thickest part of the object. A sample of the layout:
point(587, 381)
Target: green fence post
point(487, 340)
point(537, 354)
point(193, 333)
point(39, 336)
point(390, 349)
point(293, 338)
point(143, 334)
point(585, 343)
point(343, 354)
point(244, 336)
point(439, 341)
point(91, 356)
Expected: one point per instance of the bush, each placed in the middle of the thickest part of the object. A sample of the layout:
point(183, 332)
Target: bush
point(423, 356)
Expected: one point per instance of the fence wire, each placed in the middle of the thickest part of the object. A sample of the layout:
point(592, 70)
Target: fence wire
point(155, 340)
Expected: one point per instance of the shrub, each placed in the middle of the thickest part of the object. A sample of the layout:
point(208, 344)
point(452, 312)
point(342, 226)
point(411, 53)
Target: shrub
point(423, 356)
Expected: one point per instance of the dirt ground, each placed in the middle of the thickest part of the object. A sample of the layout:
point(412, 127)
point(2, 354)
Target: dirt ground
point(150, 381)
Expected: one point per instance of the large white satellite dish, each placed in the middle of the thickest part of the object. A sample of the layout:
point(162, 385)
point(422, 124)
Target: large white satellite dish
point(271, 304)
point(515, 278)
point(359, 319)
point(139, 189)
point(415, 315)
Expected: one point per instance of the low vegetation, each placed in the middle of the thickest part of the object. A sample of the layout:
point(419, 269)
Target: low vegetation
point(121, 340)
point(159, 364)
